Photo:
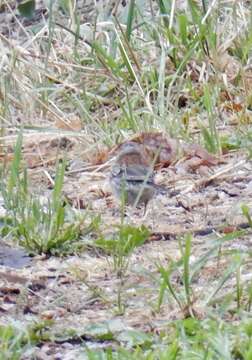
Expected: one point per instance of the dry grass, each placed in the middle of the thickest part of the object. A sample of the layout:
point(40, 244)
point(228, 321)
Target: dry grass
point(78, 83)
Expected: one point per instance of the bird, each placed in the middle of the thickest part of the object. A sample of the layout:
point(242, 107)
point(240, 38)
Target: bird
point(132, 175)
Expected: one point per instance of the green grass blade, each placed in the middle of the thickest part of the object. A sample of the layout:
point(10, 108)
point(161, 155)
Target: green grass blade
point(130, 19)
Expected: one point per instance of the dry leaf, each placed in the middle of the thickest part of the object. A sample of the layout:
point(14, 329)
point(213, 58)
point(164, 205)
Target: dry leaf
point(9, 300)
point(197, 151)
point(53, 314)
point(13, 278)
point(233, 107)
point(228, 65)
point(45, 150)
point(73, 123)
point(100, 157)
point(28, 310)
point(7, 290)
point(48, 315)
point(247, 79)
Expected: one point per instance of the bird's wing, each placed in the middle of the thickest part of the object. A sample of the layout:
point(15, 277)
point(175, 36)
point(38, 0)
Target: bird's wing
point(138, 173)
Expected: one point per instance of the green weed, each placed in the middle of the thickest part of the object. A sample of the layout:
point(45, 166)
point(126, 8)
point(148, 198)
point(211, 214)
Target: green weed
point(41, 226)
point(125, 240)
point(185, 297)
point(16, 340)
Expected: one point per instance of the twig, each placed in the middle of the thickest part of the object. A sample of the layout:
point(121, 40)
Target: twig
point(204, 182)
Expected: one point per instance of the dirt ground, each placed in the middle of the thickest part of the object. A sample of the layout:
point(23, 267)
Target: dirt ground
point(79, 290)
point(79, 294)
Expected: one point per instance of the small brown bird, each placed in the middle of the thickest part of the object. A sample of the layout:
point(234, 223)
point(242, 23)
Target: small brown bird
point(132, 175)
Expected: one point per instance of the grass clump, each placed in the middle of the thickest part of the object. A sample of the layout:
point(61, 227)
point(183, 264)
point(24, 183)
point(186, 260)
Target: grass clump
point(191, 298)
point(41, 226)
point(187, 339)
point(11, 343)
point(164, 67)
point(122, 245)
point(17, 341)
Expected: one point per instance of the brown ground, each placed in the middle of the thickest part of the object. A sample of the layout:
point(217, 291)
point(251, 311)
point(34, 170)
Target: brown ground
point(78, 290)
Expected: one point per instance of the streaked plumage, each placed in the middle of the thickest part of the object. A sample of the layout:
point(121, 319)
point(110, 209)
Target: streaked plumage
point(132, 176)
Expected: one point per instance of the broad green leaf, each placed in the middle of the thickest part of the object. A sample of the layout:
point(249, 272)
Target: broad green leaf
point(26, 8)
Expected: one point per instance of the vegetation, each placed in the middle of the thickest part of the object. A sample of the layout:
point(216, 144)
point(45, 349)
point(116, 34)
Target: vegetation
point(101, 75)
point(40, 226)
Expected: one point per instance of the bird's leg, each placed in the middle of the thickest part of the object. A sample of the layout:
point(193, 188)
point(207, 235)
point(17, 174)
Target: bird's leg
point(123, 202)
point(145, 212)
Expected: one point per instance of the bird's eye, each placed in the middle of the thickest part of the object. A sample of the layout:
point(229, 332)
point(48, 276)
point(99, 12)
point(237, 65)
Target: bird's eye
point(116, 170)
